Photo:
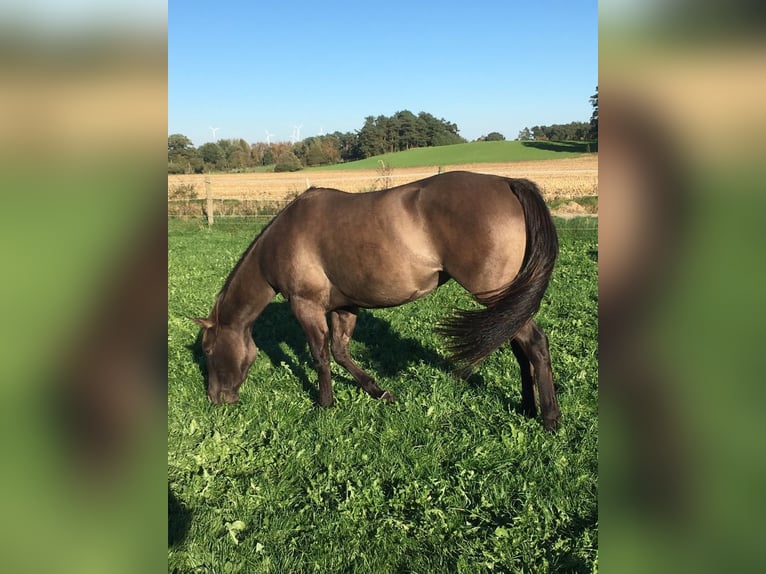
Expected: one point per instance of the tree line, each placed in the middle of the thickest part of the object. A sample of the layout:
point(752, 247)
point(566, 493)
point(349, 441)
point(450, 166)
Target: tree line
point(573, 131)
point(382, 134)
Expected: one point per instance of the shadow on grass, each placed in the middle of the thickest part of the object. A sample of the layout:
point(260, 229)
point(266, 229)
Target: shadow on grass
point(277, 325)
point(572, 147)
point(385, 353)
point(179, 520)
point(198, 356)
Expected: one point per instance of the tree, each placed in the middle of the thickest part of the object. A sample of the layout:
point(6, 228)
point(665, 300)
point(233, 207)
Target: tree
point(182, 156)
point(331, 147)
point(440, 132)
point(318, 150)
point(389, 127)
point(178, 144)
point(411, 130)
point(404, 131)
point(371, 138)
point(495, 137)
point(239, 159)
point(348, 146)
point(524, 135)
point(279, 148)
point(211, 154)
point(268, 157)
point(573, 131)
point(593, 132)
point(315, 154)
point(256, 153)
point(287, 161)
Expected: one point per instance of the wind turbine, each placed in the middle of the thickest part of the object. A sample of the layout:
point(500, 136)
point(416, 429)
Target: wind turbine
point(321, 131)
point(268, 137)
point(297, 133)
point(212, 129)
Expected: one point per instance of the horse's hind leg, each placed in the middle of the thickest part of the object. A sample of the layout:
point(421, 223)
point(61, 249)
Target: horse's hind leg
point(534, 345)
point(343, 322)
point(528, 405)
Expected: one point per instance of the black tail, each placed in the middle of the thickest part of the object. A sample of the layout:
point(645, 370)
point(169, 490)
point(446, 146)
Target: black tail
point(477, 333)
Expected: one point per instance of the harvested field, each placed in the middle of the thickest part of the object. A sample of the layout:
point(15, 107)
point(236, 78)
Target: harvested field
point(557, 178)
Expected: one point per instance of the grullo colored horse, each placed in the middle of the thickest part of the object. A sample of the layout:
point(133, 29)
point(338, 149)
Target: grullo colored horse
point(331, 253)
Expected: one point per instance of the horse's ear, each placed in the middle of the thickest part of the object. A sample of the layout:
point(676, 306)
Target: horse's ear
point(203, 322)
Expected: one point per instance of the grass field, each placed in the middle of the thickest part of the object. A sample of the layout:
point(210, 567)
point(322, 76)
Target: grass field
point(473, 152)
point(449, 478)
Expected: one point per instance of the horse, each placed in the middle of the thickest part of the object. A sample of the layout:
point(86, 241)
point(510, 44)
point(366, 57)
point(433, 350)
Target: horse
point(330, 252)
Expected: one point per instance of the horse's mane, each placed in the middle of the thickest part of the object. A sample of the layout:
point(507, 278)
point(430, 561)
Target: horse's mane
point(241, 259)
point(238, 264)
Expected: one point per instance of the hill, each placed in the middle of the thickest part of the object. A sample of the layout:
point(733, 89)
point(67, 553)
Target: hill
point(474, 152)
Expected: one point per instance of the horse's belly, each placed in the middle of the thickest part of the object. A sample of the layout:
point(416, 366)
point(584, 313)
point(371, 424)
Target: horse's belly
point(377, 289)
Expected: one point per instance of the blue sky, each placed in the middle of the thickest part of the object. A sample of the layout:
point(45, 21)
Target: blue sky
point(245, 67)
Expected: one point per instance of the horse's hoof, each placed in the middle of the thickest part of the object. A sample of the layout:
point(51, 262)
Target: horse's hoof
point(551, 425)
point(387, 396)
point(529, 411)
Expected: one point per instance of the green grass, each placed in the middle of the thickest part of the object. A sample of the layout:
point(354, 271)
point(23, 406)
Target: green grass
point(474, 152)
point(449, 478)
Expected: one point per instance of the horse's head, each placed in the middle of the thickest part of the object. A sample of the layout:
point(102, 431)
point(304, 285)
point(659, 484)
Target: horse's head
point(229, 352)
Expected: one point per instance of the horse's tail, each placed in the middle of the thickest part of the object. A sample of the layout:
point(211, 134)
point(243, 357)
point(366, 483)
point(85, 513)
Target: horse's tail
point(477, 333)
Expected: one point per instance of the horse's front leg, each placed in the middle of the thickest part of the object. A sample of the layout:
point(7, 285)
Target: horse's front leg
point(313, 321)
point(343, 323)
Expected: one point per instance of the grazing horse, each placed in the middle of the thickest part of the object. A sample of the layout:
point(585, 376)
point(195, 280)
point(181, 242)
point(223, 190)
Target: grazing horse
point(331, 252)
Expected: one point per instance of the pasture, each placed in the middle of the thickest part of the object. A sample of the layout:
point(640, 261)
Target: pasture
point(472, 152)
point(449, 478)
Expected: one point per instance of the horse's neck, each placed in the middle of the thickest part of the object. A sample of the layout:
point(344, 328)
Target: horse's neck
point(246, 293)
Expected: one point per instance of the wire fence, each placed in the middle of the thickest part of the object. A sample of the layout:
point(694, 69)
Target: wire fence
point(221, 209)
point(224, 205)
point(229, 212)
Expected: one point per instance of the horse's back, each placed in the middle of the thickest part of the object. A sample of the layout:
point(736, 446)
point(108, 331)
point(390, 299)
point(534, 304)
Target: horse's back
point(392, 246)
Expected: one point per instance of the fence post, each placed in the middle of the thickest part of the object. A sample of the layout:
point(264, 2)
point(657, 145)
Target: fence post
point(209, 196)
